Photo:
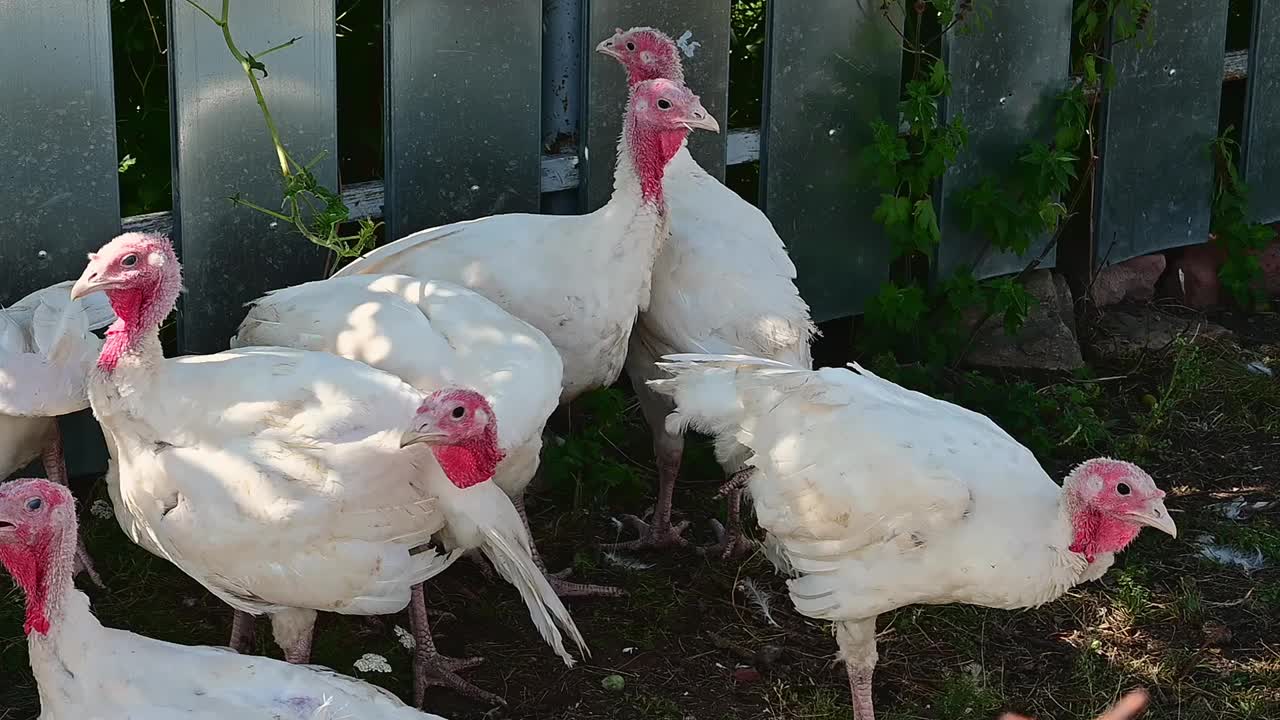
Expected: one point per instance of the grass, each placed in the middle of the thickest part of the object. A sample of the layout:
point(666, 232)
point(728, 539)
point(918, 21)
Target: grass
point(1203, 638)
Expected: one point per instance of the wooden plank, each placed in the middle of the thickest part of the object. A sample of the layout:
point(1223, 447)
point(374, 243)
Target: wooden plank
point(834, 67)
point(1155, 182)
point(221, 147)
point(701, 28)
point(58, 151)
point(1006, 75)
point(1261, 151)
point(463, 119)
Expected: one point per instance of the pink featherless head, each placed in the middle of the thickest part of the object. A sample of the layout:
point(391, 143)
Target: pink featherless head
point(460, 426)
point(645, 53)
point(1110, 502)
point(35, 516)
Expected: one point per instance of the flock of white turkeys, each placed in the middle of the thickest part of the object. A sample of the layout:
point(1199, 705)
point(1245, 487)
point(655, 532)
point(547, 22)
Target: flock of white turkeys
point(366, 430)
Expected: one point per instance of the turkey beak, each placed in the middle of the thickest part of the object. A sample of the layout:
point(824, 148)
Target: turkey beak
point(606, 48)
point(1157, 516)
point(90, 281)
point(7, 527)
point(413, 436)
point(699, 118)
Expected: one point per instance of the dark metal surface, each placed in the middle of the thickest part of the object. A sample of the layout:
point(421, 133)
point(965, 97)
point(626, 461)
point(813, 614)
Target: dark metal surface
point(58, 151)
point(57, 141)
point(1157, 176)
point(1262, 114)
point(701, 29)
point(834, 67)
point(221, 146)
point(463, 110)
point(1006, 75)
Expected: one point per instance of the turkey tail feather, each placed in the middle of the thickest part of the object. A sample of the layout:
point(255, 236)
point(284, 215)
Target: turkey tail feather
point(514, 562)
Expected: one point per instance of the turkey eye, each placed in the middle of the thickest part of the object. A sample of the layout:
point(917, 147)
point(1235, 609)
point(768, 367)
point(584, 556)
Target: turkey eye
point(1122, 489)
point(458, 412)
point(631, 46)
point(664, 104)
point(34, 504)
point(129, 260)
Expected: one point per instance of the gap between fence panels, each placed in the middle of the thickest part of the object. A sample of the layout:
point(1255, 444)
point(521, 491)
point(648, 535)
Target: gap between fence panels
point(560, 171)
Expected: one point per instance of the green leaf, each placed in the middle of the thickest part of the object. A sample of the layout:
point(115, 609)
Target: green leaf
point(127, 162)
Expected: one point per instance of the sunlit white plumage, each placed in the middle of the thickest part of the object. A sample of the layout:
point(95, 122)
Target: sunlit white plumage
point(875, 497)
point(435, 335)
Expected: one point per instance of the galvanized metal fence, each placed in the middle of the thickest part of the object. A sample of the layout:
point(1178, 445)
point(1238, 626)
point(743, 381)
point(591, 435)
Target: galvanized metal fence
point(472, 88)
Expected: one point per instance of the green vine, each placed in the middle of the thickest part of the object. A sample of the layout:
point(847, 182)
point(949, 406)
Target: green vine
point(315, 211)
point(1239, 238)
point(1031, 200)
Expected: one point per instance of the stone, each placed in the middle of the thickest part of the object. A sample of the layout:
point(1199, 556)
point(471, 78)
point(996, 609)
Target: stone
point(1126, 333)
point(1134, 279)
point(1047, 341)
point(1196, 273)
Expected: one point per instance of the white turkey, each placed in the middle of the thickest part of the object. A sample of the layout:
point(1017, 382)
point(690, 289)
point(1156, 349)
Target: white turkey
point(722, 283)
point(89, 672)
point(431, 335)
point(47, 349)
point(876, 497)
point(279, 478)
point(580, 279)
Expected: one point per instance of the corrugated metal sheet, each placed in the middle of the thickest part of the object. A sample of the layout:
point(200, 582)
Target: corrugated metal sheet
point(463, 110)
point(834, 67)
point(1157, 177)
point(221, 147)
point(701, 29)
point(1262, 115)
point(58, 151)
point(1007, 72)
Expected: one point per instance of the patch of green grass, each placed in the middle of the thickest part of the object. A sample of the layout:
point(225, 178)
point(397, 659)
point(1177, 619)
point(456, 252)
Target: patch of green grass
point(807, 703)
point(1188, 603)
point(1259, 533)
point(1132, 597)
point(588, 468)
point(966, 696)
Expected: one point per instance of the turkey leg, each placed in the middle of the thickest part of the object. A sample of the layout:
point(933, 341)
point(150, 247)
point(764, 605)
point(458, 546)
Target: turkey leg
point(430, 667)
point(294, 630)
point(733, 544)
point(242, 631)
point(659, 534)
point(55, 468)
point(563, 587)
point(857, 641)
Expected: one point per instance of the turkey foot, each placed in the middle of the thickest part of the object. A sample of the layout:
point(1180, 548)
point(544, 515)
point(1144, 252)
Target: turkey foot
point(55, 468)
point(430, 668)
point(731, 544)
point(661, 534)
point(557, 580)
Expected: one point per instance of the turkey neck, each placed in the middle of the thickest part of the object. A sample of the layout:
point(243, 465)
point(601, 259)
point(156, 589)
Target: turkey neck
point(43, 570)
point(139, 312)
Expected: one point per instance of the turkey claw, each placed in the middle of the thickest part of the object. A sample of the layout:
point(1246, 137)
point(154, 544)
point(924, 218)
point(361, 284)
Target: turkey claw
point(84, 563)
point(566, 589)
point(728, 546)
point(652, 536)
point(440, 671)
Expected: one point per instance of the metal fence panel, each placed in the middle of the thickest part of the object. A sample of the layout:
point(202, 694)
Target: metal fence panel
point(1007, 72)
point(701, 29)
point(58, 151)
point(1262, 114)
point(1157, 176)
point(463, 110)
point(221, 147)
point(834, 67)
point(57, 141)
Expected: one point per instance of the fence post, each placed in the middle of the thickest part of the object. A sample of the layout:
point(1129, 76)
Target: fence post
point(1261, 135)
point(834, 66)
point(463, 118)
point(1007, 72)
point(701, 29)
point(1156, 177)
point(221, 147)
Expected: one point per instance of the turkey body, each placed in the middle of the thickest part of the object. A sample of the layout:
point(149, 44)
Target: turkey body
point(46, 351)
point(431, 335)
point(581, 280)
point(272, 476)
point(89, 672)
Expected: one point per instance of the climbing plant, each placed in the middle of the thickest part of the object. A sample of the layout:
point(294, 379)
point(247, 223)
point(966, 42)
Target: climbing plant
point(1031, 199)
point(314, 210)
point(1233, 232)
